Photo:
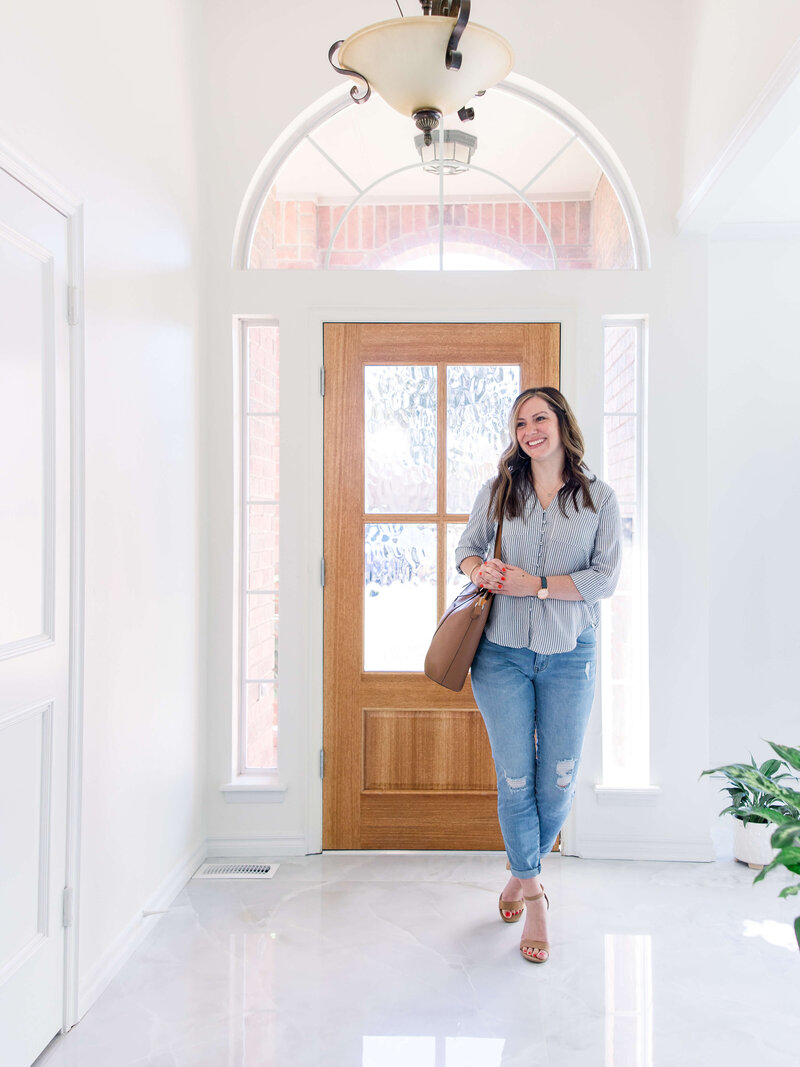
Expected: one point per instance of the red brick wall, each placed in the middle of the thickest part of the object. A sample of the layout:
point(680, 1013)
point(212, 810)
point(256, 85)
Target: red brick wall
point(612, 240)
point(620, 396)
point(296, 234)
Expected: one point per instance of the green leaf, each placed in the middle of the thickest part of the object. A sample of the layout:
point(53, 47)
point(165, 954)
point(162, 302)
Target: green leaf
point(772, 814)
point(770, 766)
point(789, 891)
point(788, 755)
point(787, 835)
point(786, 857)
point(797, 930)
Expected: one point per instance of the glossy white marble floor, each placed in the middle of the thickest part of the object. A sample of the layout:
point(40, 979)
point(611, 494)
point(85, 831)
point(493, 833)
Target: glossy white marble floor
point(386, 960)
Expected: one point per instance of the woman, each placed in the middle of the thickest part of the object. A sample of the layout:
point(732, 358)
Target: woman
point(535, 666)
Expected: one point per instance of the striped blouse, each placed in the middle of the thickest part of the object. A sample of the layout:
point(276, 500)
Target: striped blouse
point(586, 545)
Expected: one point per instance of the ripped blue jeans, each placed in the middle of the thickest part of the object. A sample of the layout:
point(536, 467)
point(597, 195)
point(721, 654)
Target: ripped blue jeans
point(519, 692)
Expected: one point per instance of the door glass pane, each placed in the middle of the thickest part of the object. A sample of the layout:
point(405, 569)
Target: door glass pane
point(455, 579)
point(399, 595)
point(400, 440)
point(478, 402)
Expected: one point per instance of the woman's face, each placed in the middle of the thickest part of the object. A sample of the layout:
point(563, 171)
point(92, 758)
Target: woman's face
point(538, 434)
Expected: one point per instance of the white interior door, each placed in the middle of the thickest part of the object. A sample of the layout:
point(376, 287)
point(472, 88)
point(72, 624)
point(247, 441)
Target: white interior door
point(34, 618)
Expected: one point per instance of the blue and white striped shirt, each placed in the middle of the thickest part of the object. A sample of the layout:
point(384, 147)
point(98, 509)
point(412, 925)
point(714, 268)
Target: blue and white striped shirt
point(585, 544)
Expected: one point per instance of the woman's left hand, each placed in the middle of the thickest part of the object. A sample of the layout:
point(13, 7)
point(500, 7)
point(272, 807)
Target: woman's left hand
point(517, 582)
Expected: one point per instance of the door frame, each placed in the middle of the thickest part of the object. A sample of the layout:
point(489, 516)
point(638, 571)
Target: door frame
point(310, 325)
point(48, 189)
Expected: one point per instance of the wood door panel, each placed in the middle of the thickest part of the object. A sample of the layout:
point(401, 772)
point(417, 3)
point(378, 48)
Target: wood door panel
point(411, 820)
point(407, 763)
point(426, 749)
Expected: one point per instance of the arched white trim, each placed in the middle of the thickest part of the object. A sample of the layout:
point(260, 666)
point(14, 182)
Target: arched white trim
point(515, 85)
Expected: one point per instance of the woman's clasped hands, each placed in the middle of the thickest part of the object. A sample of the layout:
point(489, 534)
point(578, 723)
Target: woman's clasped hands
point(501, 577)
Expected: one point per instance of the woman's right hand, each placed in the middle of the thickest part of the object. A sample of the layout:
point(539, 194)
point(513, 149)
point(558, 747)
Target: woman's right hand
point(490, 575)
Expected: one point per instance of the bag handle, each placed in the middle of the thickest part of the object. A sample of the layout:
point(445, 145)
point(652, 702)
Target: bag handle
point(498, 541)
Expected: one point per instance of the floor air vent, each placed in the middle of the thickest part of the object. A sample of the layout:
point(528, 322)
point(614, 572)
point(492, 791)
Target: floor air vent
point(237, 870)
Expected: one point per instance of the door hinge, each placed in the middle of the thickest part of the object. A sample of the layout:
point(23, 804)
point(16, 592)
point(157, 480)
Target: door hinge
point(322, 572)
point(322, 381)
point(66, 906)
point(322, 763)
point(72, 305)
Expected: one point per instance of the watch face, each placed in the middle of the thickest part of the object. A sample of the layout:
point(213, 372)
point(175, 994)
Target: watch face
point(543, 594)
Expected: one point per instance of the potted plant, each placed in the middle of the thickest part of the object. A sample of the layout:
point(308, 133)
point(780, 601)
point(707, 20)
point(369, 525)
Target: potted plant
point(750, 796)
point(764, 796)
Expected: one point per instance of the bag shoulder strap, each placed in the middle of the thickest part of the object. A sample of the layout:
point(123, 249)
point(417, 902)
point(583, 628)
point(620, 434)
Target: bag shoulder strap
point(498, 541)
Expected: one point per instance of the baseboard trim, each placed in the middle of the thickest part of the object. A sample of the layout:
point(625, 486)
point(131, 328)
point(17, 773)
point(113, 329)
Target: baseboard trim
point(138, 928)
point(598, 848)
point(266, 848)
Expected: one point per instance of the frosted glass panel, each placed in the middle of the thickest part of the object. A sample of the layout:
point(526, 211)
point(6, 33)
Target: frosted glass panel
point(399, 595)
point(478, 402)
point(400, 439)
point(455, 579)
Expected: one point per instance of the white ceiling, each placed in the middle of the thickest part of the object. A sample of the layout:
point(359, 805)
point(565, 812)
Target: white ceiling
point(515, 140)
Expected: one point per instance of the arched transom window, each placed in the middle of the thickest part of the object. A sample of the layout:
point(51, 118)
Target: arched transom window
point(352, 190)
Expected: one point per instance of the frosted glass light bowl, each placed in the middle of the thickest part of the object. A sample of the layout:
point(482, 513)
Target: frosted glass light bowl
point(404, 61)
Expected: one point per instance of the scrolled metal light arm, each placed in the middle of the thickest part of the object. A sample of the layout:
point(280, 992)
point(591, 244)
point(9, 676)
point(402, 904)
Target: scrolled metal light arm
point(359, 97)
point(452, 59)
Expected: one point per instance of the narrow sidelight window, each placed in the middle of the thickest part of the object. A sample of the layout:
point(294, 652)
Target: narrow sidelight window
point(258, 705)
point(624, 645)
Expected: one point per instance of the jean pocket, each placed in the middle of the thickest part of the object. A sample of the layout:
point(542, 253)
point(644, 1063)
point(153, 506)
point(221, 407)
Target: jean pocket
point(587, 637)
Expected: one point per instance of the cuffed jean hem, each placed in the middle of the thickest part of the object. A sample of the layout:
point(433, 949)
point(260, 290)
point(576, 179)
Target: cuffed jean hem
point(527, 874)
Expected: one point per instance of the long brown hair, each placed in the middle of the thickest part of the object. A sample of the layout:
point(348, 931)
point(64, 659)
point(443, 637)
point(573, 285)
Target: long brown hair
point(514, 483)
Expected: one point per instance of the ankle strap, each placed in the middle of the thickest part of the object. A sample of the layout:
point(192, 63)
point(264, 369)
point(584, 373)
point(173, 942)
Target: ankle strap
point(537, 897)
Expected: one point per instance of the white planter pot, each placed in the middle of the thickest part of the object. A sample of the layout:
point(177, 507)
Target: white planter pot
point(751, 842)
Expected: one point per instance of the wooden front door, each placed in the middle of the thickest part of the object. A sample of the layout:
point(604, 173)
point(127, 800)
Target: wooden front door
point(415, 419)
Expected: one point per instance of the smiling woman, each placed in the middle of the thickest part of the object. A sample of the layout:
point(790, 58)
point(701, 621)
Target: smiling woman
point(533, 675)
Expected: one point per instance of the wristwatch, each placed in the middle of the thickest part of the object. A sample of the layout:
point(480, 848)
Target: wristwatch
point(544, 592)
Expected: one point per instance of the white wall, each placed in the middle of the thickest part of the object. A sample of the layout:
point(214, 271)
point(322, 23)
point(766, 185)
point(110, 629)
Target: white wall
point(735, 47)
point(620, 70)
point(754, 382)
point(99, 95)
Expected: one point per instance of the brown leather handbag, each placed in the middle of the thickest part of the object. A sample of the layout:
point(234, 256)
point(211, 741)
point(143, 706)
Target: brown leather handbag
point(455, 642)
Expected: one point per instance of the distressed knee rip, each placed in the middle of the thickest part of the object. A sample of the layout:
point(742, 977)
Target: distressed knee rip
point(515, 783)
point(564, 769)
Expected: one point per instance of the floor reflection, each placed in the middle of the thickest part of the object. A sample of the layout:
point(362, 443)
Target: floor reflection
point(629, 1000)
point(433, 1051)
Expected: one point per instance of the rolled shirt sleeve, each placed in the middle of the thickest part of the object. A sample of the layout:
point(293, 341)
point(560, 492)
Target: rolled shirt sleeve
point(599, 580)
point(480, 531)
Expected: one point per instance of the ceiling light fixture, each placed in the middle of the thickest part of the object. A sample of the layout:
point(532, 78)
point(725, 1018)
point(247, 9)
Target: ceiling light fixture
point(427, 66)
point(459, 148)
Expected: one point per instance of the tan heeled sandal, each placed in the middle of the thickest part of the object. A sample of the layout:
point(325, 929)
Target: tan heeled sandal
point(537, 946)
point(511, 911)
